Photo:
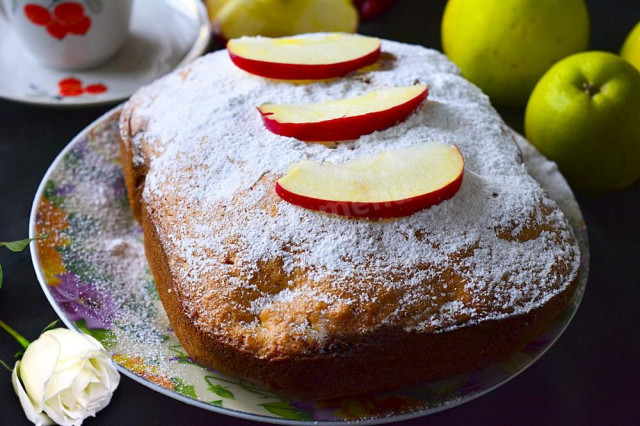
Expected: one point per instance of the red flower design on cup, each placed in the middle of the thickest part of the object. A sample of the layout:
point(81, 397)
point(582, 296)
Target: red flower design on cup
point(73, 87)
point(66, 18)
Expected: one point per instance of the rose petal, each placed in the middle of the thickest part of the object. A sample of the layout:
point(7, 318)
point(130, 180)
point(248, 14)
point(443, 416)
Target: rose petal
point(75, 374)
point(74, 406)
point(38, 364)
point(38, 418)
point(64, 416)
point(79, 378)
point(54, 409)
point(62, 379)
point(98, 396)
point(75, 345)
point(106, 371)
point(75, 349)
point(85, 377)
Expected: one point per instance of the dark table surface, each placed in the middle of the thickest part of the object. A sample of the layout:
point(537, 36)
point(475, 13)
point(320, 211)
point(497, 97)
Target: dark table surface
point(590, 376)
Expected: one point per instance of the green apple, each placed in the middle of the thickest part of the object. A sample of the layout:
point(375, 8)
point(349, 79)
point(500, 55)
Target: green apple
point(279, 18)
point(213, 6)
point(631, 47)
point(584, 113)
point(504, 46)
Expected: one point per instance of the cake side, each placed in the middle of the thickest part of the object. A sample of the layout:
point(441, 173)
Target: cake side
point(256, 284)
point(388, 358)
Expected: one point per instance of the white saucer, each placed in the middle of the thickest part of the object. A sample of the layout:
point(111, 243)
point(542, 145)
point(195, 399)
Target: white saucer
point(164, 35)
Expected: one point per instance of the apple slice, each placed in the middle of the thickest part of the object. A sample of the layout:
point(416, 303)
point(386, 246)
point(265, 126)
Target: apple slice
point(344, 119)
point(391, 184)
point(311, 57)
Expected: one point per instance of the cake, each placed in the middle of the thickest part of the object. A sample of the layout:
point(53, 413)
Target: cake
point(318, 305)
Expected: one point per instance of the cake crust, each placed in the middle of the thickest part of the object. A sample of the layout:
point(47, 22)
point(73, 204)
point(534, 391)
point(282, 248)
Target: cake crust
point(315, 330)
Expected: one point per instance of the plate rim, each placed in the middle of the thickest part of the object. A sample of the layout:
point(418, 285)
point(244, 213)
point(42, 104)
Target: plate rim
point(199, 47)
point(574, 304)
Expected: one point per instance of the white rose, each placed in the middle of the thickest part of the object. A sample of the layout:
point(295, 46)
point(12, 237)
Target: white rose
point(64, 377)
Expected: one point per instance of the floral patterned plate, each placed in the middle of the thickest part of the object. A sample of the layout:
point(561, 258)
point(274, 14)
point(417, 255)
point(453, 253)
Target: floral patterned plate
point(93, 271)
point(164, 35)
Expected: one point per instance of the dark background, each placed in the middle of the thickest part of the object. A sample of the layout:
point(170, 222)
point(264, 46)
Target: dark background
point(591, 375)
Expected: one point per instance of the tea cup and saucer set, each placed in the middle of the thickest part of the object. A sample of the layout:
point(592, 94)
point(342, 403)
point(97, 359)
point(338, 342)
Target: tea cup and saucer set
point(92, 52)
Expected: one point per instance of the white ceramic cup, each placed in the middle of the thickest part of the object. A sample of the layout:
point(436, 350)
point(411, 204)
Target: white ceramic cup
point(69, 34)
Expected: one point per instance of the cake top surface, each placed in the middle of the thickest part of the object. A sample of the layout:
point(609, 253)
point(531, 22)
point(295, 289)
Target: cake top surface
point(499, 247)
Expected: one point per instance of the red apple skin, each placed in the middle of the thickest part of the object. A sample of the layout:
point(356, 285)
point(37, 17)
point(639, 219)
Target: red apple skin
point(346, 128)
point(370, 9)
point(374, 210)
point(283, 71)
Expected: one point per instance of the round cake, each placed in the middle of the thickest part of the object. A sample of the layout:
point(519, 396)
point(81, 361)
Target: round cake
point(319, 305)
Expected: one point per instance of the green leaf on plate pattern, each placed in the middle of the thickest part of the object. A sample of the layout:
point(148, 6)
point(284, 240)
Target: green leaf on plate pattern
point(183, 389)
point(83, 225)
point(280, 408)
point(219, 390)
point(217, 402)
point(222, 391)
point(286, 411)
point(134, 332)
point(181, 357)
point(51, 193)
point(83, 268)
point(73, 159)
point(262, 393)
point(106, 337)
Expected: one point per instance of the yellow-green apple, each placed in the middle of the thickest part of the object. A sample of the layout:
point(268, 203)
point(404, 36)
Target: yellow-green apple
point(344, 119)
point(308, 57)
point(391, 184)
point(585, 115)
point(631, 47)
point(504, 46)
point(278, 18)
point(213, 6)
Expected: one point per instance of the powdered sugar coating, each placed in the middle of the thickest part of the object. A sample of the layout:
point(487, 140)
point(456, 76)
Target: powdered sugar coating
point(499, 247)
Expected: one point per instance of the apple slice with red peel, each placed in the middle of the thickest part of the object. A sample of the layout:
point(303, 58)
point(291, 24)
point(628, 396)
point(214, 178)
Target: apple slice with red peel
point(391, 184)
point(312, 57)
point(344, 119)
